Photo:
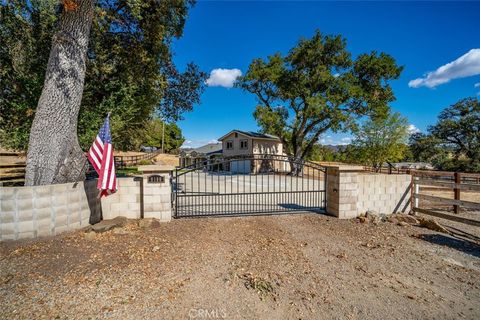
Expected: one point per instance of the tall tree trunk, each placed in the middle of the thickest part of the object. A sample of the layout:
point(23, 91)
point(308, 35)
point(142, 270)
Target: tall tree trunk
point(54, 154)
point(296, 163)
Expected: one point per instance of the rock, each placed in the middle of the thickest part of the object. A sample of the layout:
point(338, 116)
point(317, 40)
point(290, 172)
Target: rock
point(432, 225)
point(383, 217)
point(393, 219)
point(362, 219)
point(156, 248)
point(148, 223)
point(402, 224)
point(403, 218)
point(90, 235)
point(373, 216)
point(371, 213)
point(106, 225)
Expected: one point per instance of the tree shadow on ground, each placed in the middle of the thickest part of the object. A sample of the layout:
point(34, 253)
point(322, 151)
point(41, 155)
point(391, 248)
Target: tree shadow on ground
point(462, 245)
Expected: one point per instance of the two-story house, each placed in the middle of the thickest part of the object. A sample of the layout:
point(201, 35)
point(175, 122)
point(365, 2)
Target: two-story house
point(238, 142)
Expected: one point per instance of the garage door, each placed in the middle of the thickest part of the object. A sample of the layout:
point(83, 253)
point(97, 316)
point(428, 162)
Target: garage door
point(240, 166)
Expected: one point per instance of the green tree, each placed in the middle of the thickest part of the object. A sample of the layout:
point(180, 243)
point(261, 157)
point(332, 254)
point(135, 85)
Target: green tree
point(26, 31)
point(329, 153)
point(453, 143)
point(382, 139)
point(128, 70)
point(154, 134)
point(318, 87)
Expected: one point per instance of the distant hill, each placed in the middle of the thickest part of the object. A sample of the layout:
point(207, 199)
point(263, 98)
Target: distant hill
point(334, 148)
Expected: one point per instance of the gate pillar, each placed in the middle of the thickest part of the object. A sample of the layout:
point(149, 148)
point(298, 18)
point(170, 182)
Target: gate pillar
point(342, 191)
point(157, 191)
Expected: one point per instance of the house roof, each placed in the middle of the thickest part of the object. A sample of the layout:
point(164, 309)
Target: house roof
point(251, 134)
point(206, 149)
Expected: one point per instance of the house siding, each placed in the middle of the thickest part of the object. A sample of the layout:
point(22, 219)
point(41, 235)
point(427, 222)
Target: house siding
point(261, 146)
point(236, 145)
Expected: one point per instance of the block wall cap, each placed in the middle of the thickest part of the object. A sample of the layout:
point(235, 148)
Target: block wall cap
point(153, 168)
point(346, 167)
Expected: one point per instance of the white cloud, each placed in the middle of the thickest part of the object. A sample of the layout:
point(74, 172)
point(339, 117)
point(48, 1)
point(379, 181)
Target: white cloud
point(345, 141)
point(223, 77)
point(466, 66)
point(413, 129)
point(329, 140)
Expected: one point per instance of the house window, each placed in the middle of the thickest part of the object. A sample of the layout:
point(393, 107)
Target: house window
point(229, 145)
point(243, 144)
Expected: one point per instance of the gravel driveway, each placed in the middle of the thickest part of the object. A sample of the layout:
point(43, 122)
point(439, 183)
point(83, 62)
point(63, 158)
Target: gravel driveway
point(302, 266)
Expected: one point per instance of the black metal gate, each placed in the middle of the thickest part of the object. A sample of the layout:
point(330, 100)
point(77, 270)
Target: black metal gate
point(247, 185)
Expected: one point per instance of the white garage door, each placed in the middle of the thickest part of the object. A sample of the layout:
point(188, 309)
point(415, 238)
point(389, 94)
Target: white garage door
point(240, 166)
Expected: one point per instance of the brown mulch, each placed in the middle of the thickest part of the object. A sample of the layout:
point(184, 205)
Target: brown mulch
point(303, 266)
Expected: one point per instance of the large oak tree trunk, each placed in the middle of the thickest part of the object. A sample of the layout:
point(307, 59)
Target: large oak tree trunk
point(296, 163)
point(54, 154)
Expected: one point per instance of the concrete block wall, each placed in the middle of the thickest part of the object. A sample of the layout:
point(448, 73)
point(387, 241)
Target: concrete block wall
point(352, 191)
point(342, 191)
point(125, 202)
point(30, 212)
point(158, 197)
point(384, 193)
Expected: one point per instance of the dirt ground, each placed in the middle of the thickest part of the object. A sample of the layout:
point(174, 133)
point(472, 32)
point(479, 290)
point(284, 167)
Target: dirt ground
point(302, 266)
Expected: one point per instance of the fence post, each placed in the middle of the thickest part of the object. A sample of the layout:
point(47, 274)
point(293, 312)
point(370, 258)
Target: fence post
point(458, 180)
point(415, 188)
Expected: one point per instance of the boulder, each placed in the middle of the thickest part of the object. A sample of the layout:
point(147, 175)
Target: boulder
point(395, 218)
point(106, 225)
point(362, 219)
point(432, 225)
point(371, 213)
point(383, 217)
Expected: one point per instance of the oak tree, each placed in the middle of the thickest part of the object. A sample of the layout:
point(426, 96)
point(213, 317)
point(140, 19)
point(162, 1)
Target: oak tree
point(453, 143)
point(317, 87)
point(123, 65)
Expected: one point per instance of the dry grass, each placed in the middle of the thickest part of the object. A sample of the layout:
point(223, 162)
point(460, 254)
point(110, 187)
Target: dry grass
point(128, 153)
point(167, 159)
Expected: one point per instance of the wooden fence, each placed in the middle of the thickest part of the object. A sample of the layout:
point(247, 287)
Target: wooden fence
point(12, 171)
point(387, 170)
point(127, 161)
point(13, 174)
point(437, 184)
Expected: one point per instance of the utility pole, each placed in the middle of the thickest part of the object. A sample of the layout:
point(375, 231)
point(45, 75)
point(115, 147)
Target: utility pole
point(163, 135)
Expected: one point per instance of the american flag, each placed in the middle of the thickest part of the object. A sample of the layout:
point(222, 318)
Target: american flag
point(100, 156)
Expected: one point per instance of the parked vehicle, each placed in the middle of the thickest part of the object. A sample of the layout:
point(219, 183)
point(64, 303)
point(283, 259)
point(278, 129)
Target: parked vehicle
point(148, 149)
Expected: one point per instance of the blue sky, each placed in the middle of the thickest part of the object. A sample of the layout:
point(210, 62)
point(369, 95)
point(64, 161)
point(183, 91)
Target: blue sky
point(422, 36)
